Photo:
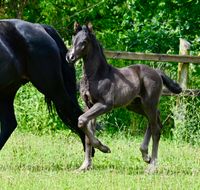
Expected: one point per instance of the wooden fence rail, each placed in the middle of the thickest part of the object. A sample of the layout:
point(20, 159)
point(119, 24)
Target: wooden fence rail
point(152, 57)
point(182, 59)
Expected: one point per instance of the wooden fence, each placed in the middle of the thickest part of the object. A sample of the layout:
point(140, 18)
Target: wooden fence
point(183, 60)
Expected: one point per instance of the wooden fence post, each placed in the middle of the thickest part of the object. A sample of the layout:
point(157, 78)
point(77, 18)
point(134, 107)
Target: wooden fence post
point(183, 68)
point(183, 77)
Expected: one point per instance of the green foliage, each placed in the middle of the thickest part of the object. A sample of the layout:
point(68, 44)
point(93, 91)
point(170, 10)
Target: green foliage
point(130, 25)
point(32, 113)
point(187, 119)
point(133, 25)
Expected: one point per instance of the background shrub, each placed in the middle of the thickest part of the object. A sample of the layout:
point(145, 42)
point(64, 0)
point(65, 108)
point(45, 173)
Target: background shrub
point(130, 25)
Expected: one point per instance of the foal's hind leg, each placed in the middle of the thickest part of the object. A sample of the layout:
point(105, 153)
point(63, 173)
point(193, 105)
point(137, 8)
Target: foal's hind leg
point(155, 128)
point(136, 106)
point(145, 143)
point(7, 119)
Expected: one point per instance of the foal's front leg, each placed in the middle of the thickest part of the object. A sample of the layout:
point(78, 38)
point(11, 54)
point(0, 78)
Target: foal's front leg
point(87, 163)
point(96, 110)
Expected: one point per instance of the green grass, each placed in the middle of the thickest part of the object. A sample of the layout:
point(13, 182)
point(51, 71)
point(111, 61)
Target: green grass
point(49, 162)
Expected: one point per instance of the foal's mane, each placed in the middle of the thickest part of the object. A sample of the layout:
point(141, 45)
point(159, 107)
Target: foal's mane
point(95, 42)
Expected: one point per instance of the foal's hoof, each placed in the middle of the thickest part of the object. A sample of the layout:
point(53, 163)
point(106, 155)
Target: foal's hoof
point(145, 156)
point(147, 159)
point(152, 168)
point(84, 168)
point(105, 149)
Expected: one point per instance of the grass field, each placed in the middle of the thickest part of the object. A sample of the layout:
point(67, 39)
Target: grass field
point(49, 162)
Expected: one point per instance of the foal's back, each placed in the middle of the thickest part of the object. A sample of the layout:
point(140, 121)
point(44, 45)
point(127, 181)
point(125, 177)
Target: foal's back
point(144, 71)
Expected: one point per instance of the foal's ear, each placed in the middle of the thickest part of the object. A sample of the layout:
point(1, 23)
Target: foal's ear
point(77, 27)
point(90, 27)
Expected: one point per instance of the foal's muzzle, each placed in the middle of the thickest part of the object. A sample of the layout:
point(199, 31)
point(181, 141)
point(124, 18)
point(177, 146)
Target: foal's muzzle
point(70, 58)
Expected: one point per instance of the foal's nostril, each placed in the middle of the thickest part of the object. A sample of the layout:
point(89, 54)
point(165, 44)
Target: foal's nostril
point(72, 57)
point(67, 58)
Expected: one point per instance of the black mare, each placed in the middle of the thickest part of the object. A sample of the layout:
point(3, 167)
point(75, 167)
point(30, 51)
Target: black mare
point(35, 53)
point(104, 87)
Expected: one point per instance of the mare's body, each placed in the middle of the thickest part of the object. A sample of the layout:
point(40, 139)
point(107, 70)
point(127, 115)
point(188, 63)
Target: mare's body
point(104, 87)
point(35, 53)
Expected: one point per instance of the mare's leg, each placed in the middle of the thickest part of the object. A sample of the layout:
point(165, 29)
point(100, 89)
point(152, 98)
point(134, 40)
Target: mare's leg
point(96, 110)
point(7, 119)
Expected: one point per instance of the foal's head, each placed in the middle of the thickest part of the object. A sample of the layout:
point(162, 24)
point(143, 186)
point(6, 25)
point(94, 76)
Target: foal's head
point(81, 42)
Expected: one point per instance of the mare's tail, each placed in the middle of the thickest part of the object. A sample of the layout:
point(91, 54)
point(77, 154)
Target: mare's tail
point(70, 114)
point(169, 83)
point(68, 70)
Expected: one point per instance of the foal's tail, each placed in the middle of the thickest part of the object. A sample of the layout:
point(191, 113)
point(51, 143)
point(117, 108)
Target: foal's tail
point(169, 83)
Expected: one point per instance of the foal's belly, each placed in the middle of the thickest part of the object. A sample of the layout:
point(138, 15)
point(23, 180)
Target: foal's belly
point(124, 96)
point(126, 87)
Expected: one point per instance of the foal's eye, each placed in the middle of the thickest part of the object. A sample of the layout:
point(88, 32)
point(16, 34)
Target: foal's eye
point(84, 43)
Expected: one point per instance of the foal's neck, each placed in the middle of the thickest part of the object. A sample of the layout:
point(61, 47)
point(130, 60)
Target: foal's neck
point(95, 64)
